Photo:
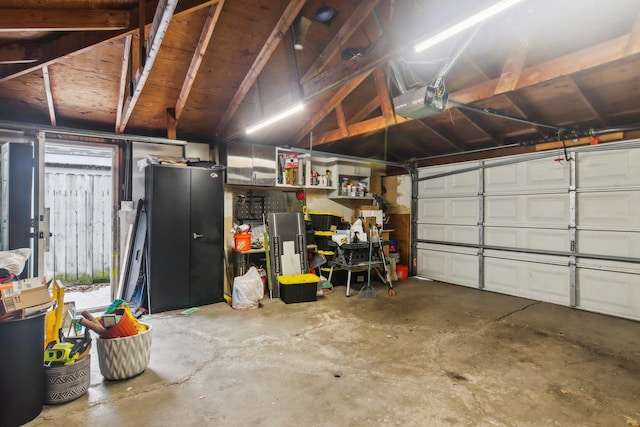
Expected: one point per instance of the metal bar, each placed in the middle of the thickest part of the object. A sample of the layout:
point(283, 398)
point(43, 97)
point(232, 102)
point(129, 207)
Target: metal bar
point(481, 227)
point(572, 231)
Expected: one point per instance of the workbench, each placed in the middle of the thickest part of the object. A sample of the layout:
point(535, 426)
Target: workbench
point(355, 257)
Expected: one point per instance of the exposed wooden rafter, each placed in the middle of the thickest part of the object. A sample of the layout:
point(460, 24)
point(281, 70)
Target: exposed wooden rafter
point(444, 136)
point(586, 101)
point(198, 54)
point(494, 137)
point(511, 71)
point(159, 27)
point(124, 69)
point(268, 48)
point(342, 122)
point(18, 54)
point(12, 20)
point(77, 42)
point(334, 47)
point(47, 89)
point(383, 95)
point(328, 106)
point(365, 111)
point(367, 126)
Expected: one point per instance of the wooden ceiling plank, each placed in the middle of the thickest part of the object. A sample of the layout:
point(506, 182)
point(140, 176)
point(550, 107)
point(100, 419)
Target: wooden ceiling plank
point(159, 27)
point(198, 54)
point(586, 101)
point(47, 89)
point(511, 71)
point(15, 53)
point(383, 95)
point(12, 20)
point(74, 43)
point(342, 122)
point(268, 48)
point(339, 95)
point(495, 138)
point(441, 134)
point(126, 58)
point(336, 44)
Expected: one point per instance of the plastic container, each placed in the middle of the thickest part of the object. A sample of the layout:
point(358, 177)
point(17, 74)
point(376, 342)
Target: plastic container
point(122, 358)
point(393, 246)
point(322, 221)
point(322, 239)
point(242, 242)
point(298, 288)
point(402, 271)
point(68, 382)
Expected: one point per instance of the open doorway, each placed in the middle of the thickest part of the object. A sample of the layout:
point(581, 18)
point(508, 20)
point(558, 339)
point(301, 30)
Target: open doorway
point(79, 200)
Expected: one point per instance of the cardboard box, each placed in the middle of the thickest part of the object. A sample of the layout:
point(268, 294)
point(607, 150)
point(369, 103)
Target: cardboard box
point(24, 299)
point(377, 214)
point(22, 285)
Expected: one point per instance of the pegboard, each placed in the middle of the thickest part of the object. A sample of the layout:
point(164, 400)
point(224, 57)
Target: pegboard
point(250, 205)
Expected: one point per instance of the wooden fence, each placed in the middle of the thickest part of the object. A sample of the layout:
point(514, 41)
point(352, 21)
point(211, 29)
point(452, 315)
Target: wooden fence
point(80, 203)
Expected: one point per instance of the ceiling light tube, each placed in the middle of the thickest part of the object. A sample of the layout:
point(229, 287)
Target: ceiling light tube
point(466, 24)
point(271, 120)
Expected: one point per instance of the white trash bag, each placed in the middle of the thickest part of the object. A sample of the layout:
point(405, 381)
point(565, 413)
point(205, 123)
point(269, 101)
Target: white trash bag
point(14, 260)
point(248, 290)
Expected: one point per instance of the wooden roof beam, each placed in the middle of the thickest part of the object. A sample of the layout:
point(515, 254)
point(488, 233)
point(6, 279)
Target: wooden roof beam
point(334, 47)
point(383, 95)
point(361, 128)
point(18, 54)
point(261, 60)
point(49, 95)
point(342, 122)
point(13, 20)
point(340, 94)
point(442, 134)
point(198, 54)
point(159, 26)
point(586, 101)
point(495, 138)
point(365, 111)
point(124, 72)
point(77, 42)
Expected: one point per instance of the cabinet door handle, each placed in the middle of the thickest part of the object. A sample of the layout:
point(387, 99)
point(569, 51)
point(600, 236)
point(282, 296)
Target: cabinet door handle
point(197, 236)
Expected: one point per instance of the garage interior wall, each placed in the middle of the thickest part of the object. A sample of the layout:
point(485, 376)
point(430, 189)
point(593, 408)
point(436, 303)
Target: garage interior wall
point(560, 227)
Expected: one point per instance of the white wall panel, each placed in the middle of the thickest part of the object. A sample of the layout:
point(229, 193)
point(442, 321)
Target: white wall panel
point(542, 210)
point(448, 264)
point(612, 169)
point(456, 210)
point(467, 234)
point(532, 278)
point(528, 238)
point(534, 176)
point(609, 210)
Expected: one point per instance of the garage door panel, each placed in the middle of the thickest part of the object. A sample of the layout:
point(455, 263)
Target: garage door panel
point(448, 264)
point(465, 183)
point(609, 243)
point(602, 210)
point(528, 211)
point(461, 210)
point(609, 292)
point(528, 238)
point(613, 169)
point(528, 279)
point(535, 176)
point(449, 233)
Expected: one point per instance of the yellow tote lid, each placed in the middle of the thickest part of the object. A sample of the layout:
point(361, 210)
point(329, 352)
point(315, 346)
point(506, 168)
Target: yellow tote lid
point(325, 213)
point(324, 233)
point(298, 279)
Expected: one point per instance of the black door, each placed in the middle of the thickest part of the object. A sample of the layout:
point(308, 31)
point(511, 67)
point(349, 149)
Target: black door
point(207, 228)
point(168, 210)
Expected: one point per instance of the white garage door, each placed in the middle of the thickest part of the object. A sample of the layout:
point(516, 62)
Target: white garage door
point(537, 226)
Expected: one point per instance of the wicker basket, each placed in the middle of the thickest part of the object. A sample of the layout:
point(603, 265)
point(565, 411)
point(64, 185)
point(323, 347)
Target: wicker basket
point(126, 357)
point(67, 382)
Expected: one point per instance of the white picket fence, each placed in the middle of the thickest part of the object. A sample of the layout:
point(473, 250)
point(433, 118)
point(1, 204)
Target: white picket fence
point(81, 213)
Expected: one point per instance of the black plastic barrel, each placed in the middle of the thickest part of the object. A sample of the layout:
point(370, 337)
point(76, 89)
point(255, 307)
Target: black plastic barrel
point(21, 370)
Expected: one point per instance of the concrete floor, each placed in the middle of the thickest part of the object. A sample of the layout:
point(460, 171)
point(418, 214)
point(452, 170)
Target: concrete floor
point(434, 355)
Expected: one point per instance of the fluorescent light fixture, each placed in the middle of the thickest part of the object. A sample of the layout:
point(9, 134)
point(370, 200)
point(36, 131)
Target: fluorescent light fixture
point(271, 120)
point(466, 24)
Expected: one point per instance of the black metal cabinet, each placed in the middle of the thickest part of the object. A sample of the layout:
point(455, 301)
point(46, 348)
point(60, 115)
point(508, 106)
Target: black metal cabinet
point(185, 214)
